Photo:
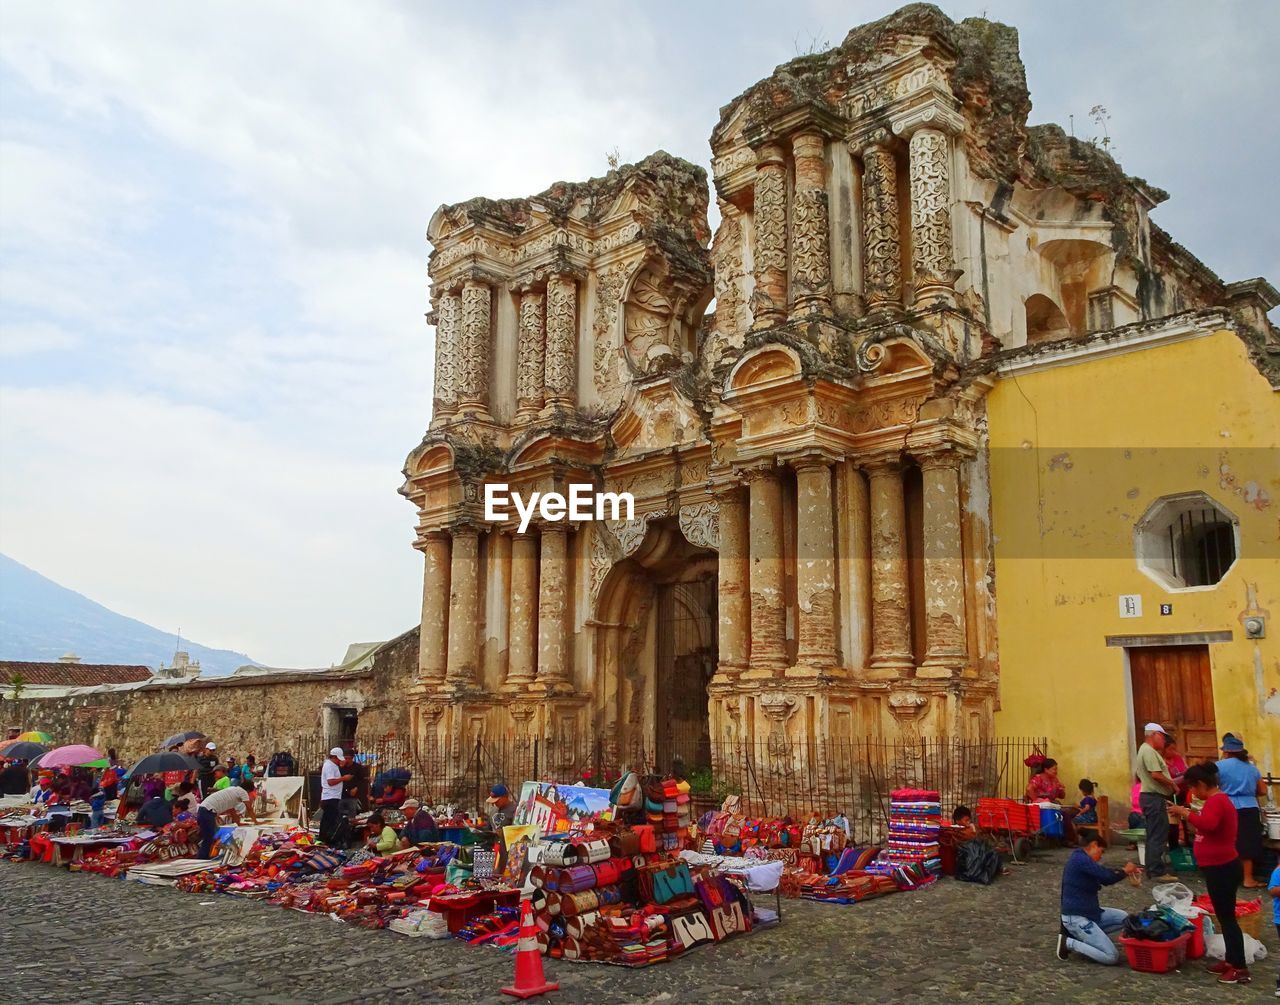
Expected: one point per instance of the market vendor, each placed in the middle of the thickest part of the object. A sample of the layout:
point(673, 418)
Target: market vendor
point(187, 800)
point(229, 802)
point(221, 779)
point(1046, 787)
point(380, 837)
point(1085, 923)
point(420, 826)
point(156, 812)
point(393, 793)
point(501, 808)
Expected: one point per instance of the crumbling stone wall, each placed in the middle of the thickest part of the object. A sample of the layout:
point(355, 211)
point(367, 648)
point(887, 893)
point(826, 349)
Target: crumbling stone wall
point(250, 715)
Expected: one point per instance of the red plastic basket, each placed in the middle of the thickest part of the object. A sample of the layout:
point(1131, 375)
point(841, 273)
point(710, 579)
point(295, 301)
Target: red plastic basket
point(1150, 957)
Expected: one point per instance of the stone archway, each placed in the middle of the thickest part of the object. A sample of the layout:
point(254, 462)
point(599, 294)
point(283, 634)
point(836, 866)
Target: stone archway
point(656, 628)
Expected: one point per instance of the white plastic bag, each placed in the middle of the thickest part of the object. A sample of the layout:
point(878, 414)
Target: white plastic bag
point(1215, 948)
point(1176, 896)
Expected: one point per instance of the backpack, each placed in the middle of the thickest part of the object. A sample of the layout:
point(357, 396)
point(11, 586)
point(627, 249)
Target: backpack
point(977, 862)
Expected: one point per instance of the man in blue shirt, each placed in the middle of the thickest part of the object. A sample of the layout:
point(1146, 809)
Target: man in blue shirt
point(1242, 783)
point(1085, 922)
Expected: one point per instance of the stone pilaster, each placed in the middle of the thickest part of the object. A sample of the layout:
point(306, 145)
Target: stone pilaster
point(890, 601)
point(434, 634)
point(945, 635)
point(815, 564)
point(769, 301)
point(734, 589)
point(445, 397)
point(476, 329)
point(523, 653)
point(497, 599)
point(464, 575)
point(883, 258)
point(767, 575)
point(562, 342)
point(810, 241)
point(530, 357)
point(932, 252)
point(553, 608)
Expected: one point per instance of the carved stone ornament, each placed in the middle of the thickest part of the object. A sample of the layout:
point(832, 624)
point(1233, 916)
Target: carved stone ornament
point(561, 357)
point(630, 533)
point(475, 341)
point(647, 327)
point(778, 708)
point(810, 260)
point(880, 212)
point(931, 208)
point(529, 364)
point(700, 525)
point(610, 282)
point(907, 705)
point(448, 316)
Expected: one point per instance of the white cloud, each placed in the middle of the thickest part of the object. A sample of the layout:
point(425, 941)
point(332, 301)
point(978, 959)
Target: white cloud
point(34, 337)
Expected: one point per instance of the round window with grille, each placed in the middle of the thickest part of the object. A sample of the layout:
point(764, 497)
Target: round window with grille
point(1187, 541)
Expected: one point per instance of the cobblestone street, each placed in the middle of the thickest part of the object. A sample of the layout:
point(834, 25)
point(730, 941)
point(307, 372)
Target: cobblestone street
point(82, 938)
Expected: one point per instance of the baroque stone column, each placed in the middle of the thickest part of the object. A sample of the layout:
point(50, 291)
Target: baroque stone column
point(433, 636)
point(815, 563)
point(947, 645)
point(734, 589)
point(530, 365)
point(523, 653)
point(769, 301)
point(463, 612)
point(553, 607)
point(931, 254)
point(883, 259)
point(497, 596)
point(768, 595)
point(476, 327)
point(810, 241)
point(445, 398)
point(561, 371)
point(890, 602)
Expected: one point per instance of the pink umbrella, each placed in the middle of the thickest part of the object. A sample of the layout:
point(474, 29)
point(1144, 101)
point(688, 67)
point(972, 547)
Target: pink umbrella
point(68, 756)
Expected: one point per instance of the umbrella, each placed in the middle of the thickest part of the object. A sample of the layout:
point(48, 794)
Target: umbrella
point(178, 739)
point(101, 762)
point(155, 764)
point(23, 749)
point(69, 756)
point(35, 736)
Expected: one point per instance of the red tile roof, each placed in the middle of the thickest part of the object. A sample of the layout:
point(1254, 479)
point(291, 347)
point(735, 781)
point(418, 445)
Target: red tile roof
point(59, 674)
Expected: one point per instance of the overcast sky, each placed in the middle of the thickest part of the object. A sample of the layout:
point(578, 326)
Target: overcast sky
point(213, 359)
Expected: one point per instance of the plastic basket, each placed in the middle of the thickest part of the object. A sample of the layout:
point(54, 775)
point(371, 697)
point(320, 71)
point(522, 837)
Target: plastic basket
point(1150, 957)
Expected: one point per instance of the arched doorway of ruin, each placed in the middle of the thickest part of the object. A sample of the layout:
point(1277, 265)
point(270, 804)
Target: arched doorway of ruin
point(655, 652)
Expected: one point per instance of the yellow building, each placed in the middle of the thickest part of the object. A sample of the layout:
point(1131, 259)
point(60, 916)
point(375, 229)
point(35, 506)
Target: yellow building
point(1136, 504)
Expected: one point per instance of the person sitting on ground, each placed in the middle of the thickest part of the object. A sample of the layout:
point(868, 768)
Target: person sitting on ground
point(420, 825)
point(1242, 783)
point(962, 823)
point(1088, 805)
point(221, 780)
point(155, 812)
point(229, 802)
point(393, 793)
point(380, 837)
point(1219, 863)
point(1085, 923)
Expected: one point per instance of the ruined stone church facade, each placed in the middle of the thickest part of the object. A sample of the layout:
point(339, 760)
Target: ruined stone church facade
point(811, 553)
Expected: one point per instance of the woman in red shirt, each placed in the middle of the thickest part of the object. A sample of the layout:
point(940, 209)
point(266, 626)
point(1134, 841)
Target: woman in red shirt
point(1215, 851)
point(1046, 787)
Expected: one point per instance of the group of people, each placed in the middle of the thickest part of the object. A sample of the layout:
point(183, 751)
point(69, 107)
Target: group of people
point(1219, 801)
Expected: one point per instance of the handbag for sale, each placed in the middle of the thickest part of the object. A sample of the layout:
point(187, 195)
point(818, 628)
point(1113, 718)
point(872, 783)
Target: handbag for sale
point(576, 878)
point(591, 852)
point(648, 841)
point(672, 882)
point(559, 853)
point(691, 928)
point(624, 844)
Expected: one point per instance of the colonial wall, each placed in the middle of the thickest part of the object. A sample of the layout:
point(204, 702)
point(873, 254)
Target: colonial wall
point(244, 715)
point(1079, 453)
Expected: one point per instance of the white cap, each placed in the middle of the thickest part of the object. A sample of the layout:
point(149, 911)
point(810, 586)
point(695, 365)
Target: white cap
point(336, 752)
point(210, 746)
point(1154, 727)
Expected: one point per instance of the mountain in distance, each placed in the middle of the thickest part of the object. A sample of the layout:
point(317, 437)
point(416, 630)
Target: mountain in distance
point(41, 621)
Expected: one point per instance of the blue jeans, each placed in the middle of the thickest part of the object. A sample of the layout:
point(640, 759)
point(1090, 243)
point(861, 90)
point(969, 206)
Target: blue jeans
point(208, 831)
point(1089, 938)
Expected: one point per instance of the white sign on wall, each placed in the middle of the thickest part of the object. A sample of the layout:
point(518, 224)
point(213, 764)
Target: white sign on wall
point(1131, 605)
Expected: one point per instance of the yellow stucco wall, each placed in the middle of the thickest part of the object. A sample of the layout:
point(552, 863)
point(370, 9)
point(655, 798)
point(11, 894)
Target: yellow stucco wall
point(1079, 453)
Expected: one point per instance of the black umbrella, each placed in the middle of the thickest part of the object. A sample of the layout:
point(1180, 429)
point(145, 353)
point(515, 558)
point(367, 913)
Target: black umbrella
point(155, 764)
point(24, 749)
point(178, 739)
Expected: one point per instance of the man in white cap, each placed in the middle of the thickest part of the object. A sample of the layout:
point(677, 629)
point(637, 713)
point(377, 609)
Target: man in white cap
point(1155, 794)
point(331, 781)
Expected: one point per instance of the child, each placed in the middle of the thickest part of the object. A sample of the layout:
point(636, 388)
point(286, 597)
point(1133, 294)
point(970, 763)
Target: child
point(1274, 889)
point(962, 821)
point(1088, 805)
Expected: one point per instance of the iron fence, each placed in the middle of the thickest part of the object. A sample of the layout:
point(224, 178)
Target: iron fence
point(774, 777)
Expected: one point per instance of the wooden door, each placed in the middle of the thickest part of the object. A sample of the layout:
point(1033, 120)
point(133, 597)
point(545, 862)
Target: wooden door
point(1172, 685)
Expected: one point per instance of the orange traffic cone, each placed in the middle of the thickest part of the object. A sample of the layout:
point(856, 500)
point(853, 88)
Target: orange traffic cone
point(530, 980)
